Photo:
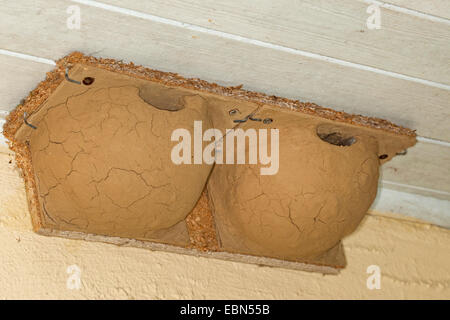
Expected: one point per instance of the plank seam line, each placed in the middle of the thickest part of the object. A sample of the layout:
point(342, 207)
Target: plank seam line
point(433, 141)
point(27, 57)
point(415, 187)
point(404, 10)
point(259, 43)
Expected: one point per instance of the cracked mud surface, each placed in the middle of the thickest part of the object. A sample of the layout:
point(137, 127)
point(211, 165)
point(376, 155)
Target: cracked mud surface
point(320, 194)
point(90, 140)
point(102, 162)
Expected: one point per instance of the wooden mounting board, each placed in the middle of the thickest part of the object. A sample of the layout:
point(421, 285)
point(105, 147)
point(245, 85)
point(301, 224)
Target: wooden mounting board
point(392, 139)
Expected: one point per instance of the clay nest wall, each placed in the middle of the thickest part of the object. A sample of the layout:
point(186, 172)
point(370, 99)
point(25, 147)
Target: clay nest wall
point(96, 160)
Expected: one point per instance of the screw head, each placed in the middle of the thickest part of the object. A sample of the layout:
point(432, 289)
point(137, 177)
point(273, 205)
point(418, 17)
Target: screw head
point(88, 81)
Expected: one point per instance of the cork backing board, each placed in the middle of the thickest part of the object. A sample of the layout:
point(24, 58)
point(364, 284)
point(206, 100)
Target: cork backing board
point(197, 234)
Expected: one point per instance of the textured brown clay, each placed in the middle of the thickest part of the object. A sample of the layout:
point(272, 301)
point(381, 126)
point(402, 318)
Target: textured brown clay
point(101, 157)
point(319, 195)
point(99, 164)
point(102, 160)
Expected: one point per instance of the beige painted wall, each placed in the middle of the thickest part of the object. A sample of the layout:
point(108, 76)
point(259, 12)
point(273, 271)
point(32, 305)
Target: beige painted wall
point(414, 258)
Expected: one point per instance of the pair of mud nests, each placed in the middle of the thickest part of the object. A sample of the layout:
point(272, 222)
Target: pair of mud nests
point(95, 151)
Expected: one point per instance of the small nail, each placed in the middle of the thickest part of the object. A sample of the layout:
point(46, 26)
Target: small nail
point(26, 121)
point(70, 80)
